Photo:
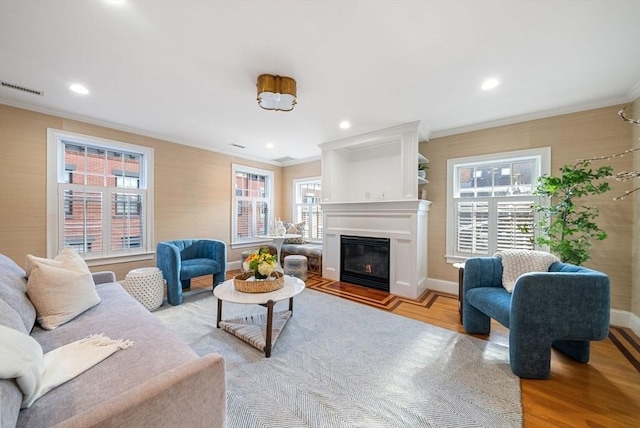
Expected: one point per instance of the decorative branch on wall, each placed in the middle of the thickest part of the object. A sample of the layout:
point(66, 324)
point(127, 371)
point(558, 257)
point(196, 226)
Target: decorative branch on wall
point(621, 176)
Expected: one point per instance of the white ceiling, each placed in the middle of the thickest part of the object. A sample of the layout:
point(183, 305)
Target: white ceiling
point(186, 71)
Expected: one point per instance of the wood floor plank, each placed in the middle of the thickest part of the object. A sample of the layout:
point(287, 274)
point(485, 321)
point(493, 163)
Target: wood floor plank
point(602, 393)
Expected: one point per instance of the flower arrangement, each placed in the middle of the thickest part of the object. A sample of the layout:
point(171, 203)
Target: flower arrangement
point(261, 262)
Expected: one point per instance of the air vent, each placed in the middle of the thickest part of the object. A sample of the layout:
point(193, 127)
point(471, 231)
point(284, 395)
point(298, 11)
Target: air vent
point(237, 145)
point(284, 159)
point(22, 88)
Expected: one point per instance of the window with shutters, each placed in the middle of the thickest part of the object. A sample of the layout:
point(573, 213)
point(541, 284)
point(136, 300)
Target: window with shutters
point(252, 204)
point(306, 207)
point(489, 201)
point(100, 197)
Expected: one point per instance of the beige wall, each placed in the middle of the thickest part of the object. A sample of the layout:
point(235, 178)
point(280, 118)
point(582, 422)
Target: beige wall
point(192, 186)
point(579, 135)
point(290, 173)
point(635, 306)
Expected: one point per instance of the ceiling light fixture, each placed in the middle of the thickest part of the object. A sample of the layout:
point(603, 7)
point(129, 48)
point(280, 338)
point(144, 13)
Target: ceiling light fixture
point(79, 89)
point(276, 92)
point(489, 84)
point(345, 124)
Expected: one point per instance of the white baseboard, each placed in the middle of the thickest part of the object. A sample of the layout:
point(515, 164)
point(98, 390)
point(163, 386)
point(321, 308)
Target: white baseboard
point(634, 323)
point(618, 318)
point(234, 265)
point(443, 286)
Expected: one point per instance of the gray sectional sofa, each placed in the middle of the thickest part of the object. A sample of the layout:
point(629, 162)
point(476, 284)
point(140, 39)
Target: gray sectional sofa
point(158, 382)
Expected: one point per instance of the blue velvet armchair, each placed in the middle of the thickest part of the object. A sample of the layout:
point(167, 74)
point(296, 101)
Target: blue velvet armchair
point(564, 308)
point(184, 259)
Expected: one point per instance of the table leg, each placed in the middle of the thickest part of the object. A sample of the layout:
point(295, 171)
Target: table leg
point(291, 305)
point(219, 313)
point(267, 345)
point(278, 243)
point(460, 293)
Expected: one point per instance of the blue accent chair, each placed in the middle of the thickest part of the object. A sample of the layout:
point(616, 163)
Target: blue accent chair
point(184, 259)
point(564, 308)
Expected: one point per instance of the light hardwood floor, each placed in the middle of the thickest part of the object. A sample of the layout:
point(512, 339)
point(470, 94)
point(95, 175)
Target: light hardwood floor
point(603, 393)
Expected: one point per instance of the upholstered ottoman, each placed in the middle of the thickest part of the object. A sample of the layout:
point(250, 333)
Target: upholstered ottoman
point(296, 266)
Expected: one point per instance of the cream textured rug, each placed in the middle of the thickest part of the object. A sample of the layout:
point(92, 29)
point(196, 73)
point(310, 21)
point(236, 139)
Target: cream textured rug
point(342, 364)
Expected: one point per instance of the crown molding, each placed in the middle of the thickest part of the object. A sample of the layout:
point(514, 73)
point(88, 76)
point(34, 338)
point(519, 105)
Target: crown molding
point(132, 130)
point(539, 115)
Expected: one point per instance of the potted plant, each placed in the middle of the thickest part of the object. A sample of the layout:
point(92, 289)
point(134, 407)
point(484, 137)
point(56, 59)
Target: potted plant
point(566, 226)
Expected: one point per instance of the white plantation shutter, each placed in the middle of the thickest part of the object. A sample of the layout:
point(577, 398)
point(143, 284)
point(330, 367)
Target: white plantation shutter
point(511, 217)
point(82, 228)
point(127, 224)
point(473, 227)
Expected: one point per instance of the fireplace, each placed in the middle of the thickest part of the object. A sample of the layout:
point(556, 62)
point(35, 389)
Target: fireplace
point(365, 261)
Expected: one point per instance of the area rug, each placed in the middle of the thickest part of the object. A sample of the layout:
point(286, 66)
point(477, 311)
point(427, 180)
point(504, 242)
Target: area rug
point(342, 364)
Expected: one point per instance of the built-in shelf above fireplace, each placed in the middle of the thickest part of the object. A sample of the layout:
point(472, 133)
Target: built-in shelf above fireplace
point(380, 165)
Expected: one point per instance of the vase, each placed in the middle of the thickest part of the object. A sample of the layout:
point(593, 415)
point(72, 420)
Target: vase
point(258, 275)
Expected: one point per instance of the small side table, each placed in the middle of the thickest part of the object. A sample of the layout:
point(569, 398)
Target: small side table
point(460, 267)
point(278, 240)
point(146, 285)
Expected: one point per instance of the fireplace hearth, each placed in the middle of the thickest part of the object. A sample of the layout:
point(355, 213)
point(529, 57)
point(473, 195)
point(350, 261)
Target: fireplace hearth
point(365, 261)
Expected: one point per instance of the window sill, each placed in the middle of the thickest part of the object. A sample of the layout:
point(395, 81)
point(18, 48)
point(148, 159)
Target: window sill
point(120, 259)
point(456, 259)
point(250, 244)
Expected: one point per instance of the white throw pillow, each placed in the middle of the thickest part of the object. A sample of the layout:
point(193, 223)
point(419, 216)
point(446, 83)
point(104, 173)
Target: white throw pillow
point(60, 289)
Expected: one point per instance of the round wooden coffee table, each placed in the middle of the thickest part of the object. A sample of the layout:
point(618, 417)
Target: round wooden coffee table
point(248, 329)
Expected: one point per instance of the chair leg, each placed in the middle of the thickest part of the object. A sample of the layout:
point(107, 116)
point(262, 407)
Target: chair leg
point(576, 349)
point(186, 283)
point(530, 358)
point(219, 278)
point(475, 321)
point(174, 294)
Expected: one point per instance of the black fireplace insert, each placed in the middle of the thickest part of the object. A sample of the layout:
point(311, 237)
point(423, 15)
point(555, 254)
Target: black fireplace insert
point(365, 261)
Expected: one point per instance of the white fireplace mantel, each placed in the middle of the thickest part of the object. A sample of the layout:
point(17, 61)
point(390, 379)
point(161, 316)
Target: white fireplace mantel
point(403, 222)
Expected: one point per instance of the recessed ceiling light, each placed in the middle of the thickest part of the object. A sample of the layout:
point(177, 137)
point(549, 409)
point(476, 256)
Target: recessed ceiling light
point(345, 124)
point(270, 146)
point(489, 84)
point(118, 2)
point(79, 89)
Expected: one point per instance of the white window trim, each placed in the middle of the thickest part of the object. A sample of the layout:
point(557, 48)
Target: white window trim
point(55, 158)
point(544, 167)
point(234, 205)
point(297, 181)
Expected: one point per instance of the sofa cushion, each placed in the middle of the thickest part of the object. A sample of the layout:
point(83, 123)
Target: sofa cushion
point(156, 351)
point(61, 288)
point(13, 287)
point(297, 229)
point(198, 267)
point(493, 301)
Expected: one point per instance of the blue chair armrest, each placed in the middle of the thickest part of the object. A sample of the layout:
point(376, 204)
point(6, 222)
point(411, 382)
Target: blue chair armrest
point(563, 304)
point(169, 261)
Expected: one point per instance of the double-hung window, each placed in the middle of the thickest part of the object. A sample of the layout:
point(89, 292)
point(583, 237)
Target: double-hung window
point(306, 206)
point(489, 202)
point(252, 203)
point(100, 197)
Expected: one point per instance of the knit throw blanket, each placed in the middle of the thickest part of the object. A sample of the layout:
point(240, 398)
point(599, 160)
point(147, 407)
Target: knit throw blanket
point(37, 373)
point(518, 262)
